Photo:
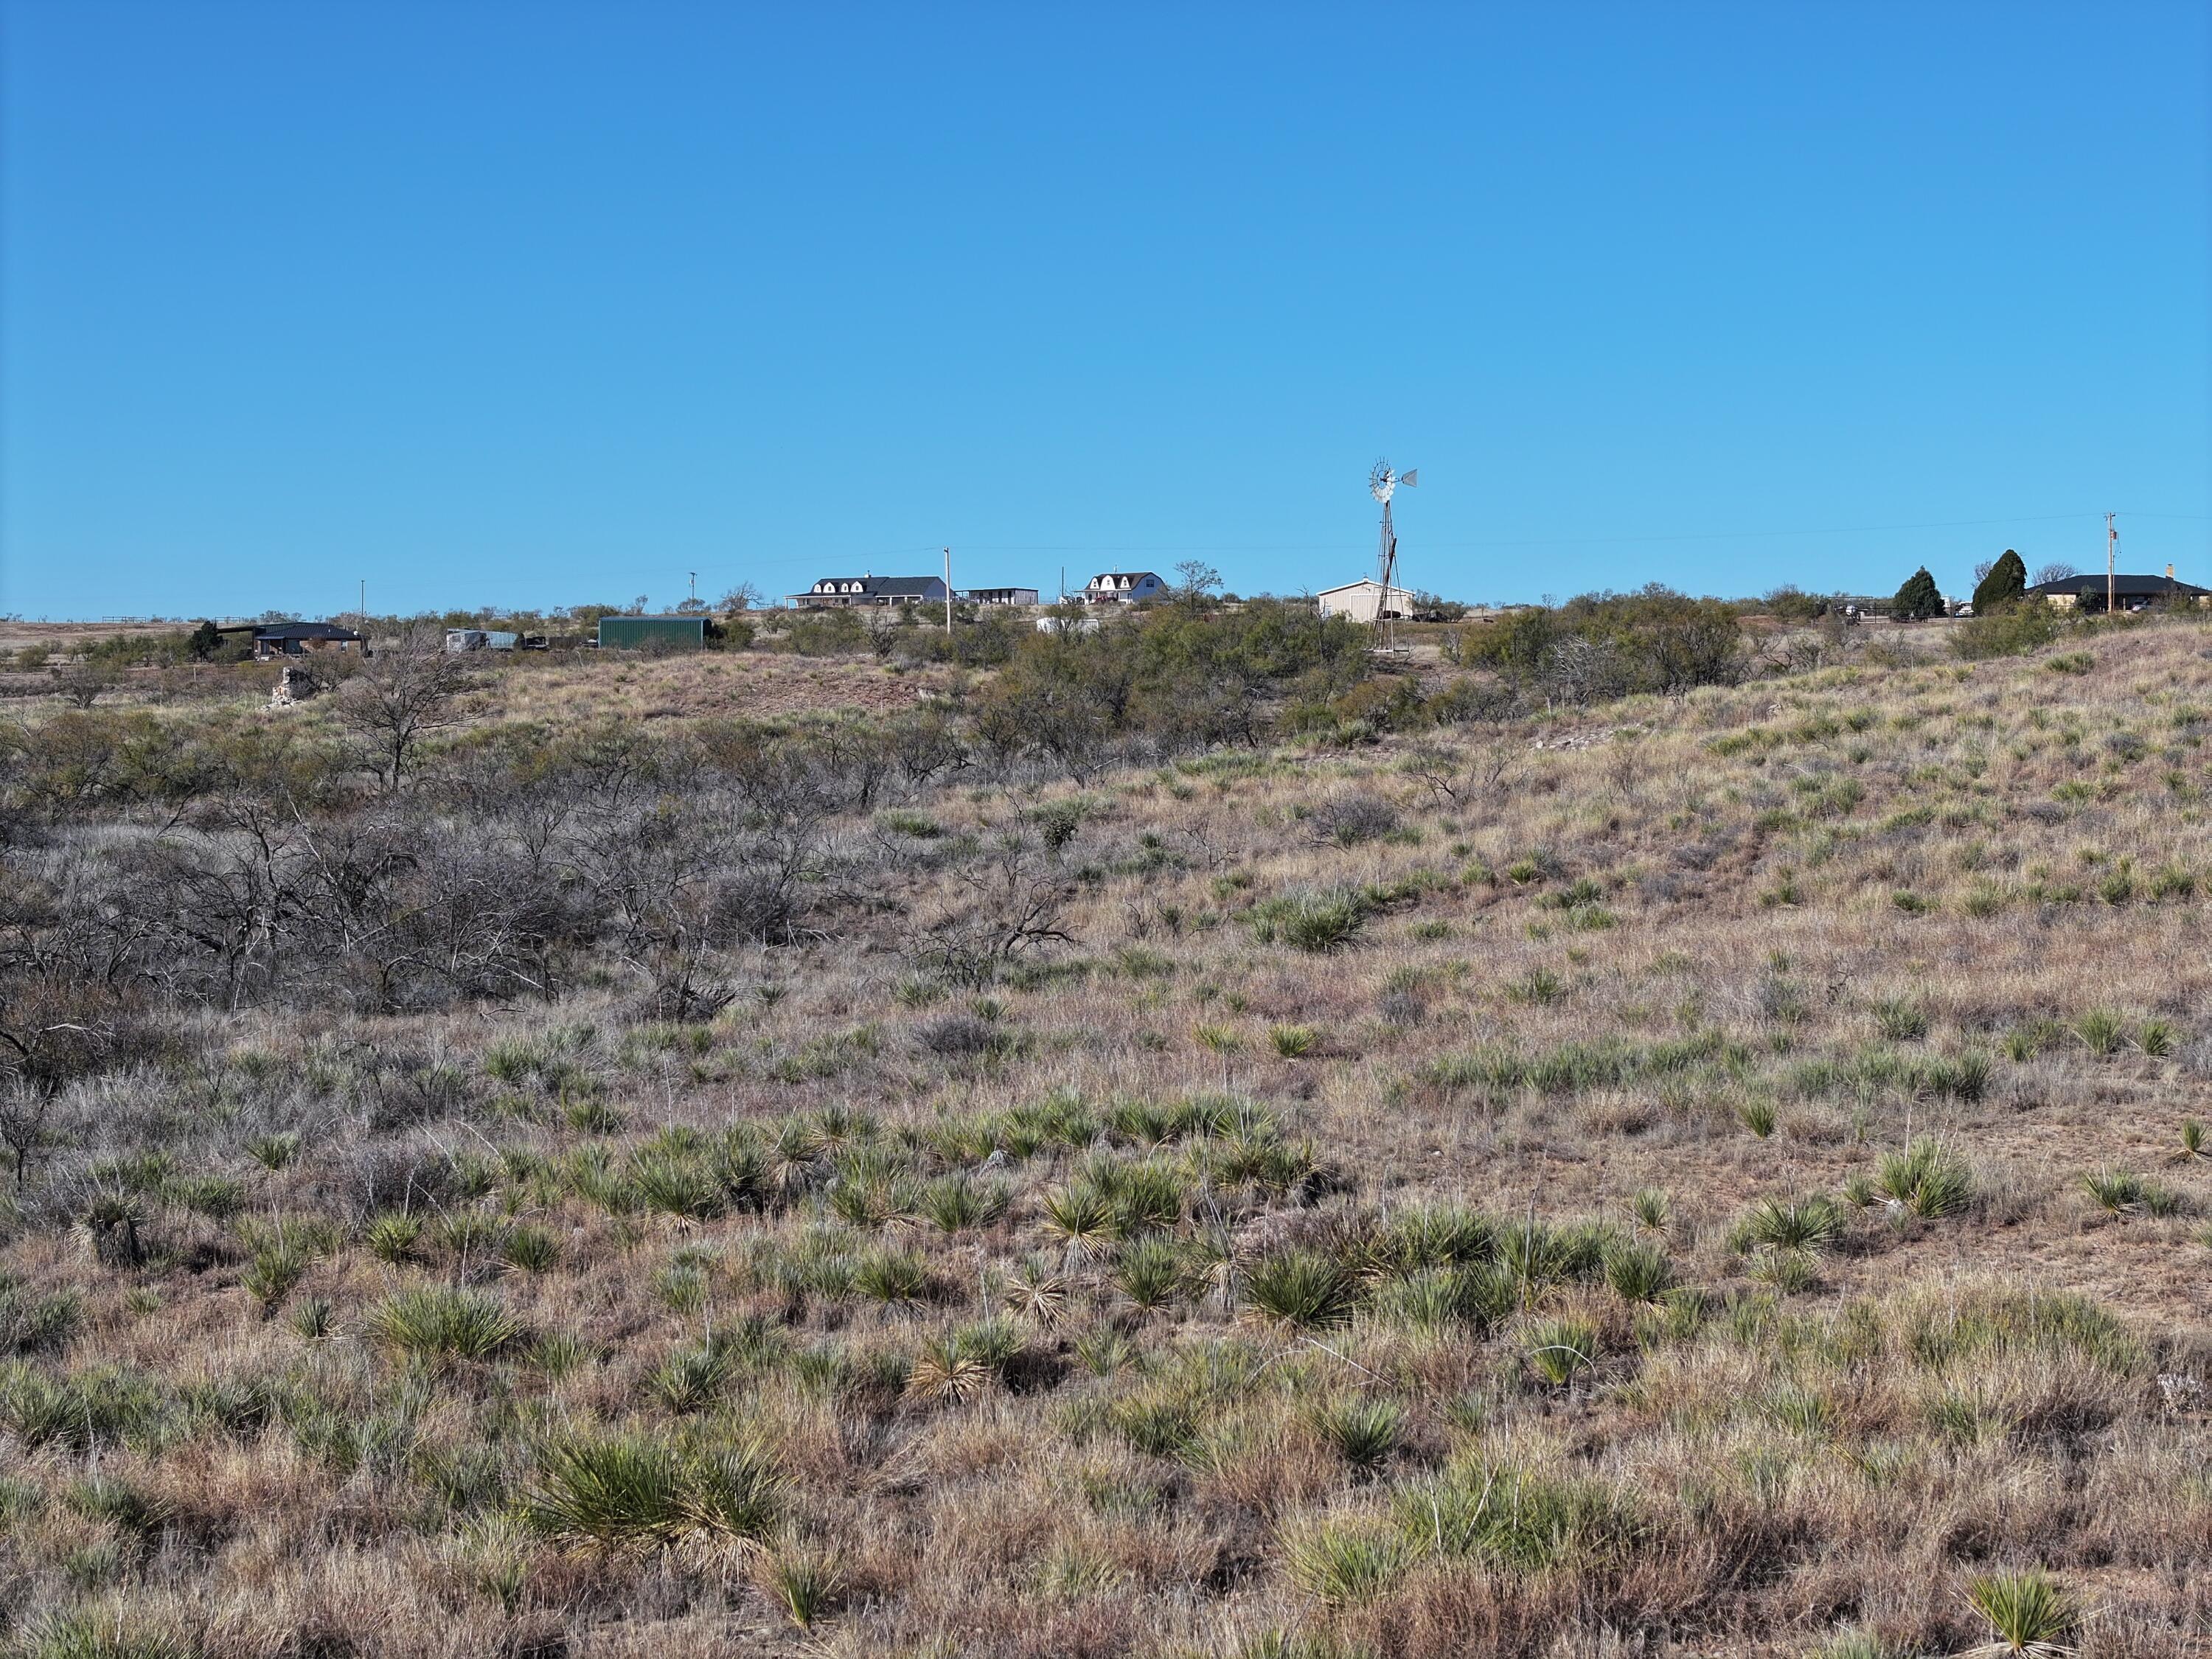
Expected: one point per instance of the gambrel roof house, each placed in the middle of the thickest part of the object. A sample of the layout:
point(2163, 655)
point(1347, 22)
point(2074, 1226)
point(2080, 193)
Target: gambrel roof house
point(1124, 587)
point(872, 590)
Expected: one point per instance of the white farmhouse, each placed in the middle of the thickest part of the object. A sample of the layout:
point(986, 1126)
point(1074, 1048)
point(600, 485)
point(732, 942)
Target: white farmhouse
point(1124, 587)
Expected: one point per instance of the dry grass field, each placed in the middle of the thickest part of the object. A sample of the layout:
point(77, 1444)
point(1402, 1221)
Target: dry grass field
point(1707, 1175)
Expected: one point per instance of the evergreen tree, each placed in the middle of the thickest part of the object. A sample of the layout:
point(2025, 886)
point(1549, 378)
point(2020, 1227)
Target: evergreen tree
point(204, 642)
point(2007, 581)
point(1918, 598)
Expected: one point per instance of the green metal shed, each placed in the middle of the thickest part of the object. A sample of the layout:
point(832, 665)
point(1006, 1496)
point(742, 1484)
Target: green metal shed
point(632, 633)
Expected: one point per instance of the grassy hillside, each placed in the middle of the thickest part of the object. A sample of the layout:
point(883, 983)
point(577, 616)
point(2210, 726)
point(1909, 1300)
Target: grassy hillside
point(1702, 1175)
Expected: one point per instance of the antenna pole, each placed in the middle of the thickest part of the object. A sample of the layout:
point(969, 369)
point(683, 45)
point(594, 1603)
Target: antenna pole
point(948, 593)
point(2112, 562)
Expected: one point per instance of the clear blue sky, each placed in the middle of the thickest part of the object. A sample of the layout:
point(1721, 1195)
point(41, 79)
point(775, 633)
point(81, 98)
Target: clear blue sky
point(544, 304)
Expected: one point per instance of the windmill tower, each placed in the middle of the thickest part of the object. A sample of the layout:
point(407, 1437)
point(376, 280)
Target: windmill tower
point(1382, 483)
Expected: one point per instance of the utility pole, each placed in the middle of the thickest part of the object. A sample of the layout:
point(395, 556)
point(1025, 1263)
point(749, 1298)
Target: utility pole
point(948, 593)
point(2112, 561)
point(695, 587)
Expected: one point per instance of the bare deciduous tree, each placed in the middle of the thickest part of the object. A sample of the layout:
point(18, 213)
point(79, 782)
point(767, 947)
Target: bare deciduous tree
point(399, 697)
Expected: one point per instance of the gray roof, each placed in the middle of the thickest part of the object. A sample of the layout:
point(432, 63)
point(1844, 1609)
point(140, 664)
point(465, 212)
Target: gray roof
point(304, 631)
point(2125, 587)
point(885, 586)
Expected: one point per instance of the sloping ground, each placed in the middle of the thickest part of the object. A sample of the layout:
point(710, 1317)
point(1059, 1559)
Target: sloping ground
point(750, 684)
point(1615, 1185)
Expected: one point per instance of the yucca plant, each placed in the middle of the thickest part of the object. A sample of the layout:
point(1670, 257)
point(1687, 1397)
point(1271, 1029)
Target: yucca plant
point(690, 1379)
point(955, 1366)
point(530, 1249)
point(2119, 1191)
point(956, 1203)
point(1036, 1290)
point(678, 1185)
point(2028, 1612)
point(441, 1322)
point(273, 1151)
point(892, 1276)
point(1652, 1209)
point(2101, 1030)
point(633, 1492)
point(805, 1578)
point(1304, 1289)
point(1363, 1432)
point(1150, 1271)
point(1804, 1223)
point(1559, 1350)
point(312, 1318)
point(1146, 1196)
point(1637, 1271)
point(945, 1370)
point(1927, 1179)
point(1082, 1216)
point(392, 1235)
point(272, 1274)
point(1757, 1114)
point(2193, 1138)
point(1221, 1040)
point(1340, 1562)
point(1293, 1042)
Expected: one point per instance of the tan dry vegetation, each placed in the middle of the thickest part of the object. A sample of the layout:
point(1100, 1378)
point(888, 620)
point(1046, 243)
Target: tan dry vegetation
point(1080, 1306)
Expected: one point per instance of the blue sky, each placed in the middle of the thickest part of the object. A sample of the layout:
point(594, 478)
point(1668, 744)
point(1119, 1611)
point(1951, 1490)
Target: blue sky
point(545, 304)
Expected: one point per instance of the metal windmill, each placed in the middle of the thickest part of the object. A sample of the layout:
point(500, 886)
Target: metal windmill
point(1382, 482)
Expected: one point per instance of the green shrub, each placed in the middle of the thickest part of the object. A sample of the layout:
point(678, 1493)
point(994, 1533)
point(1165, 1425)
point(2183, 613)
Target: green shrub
point(2008, 633)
